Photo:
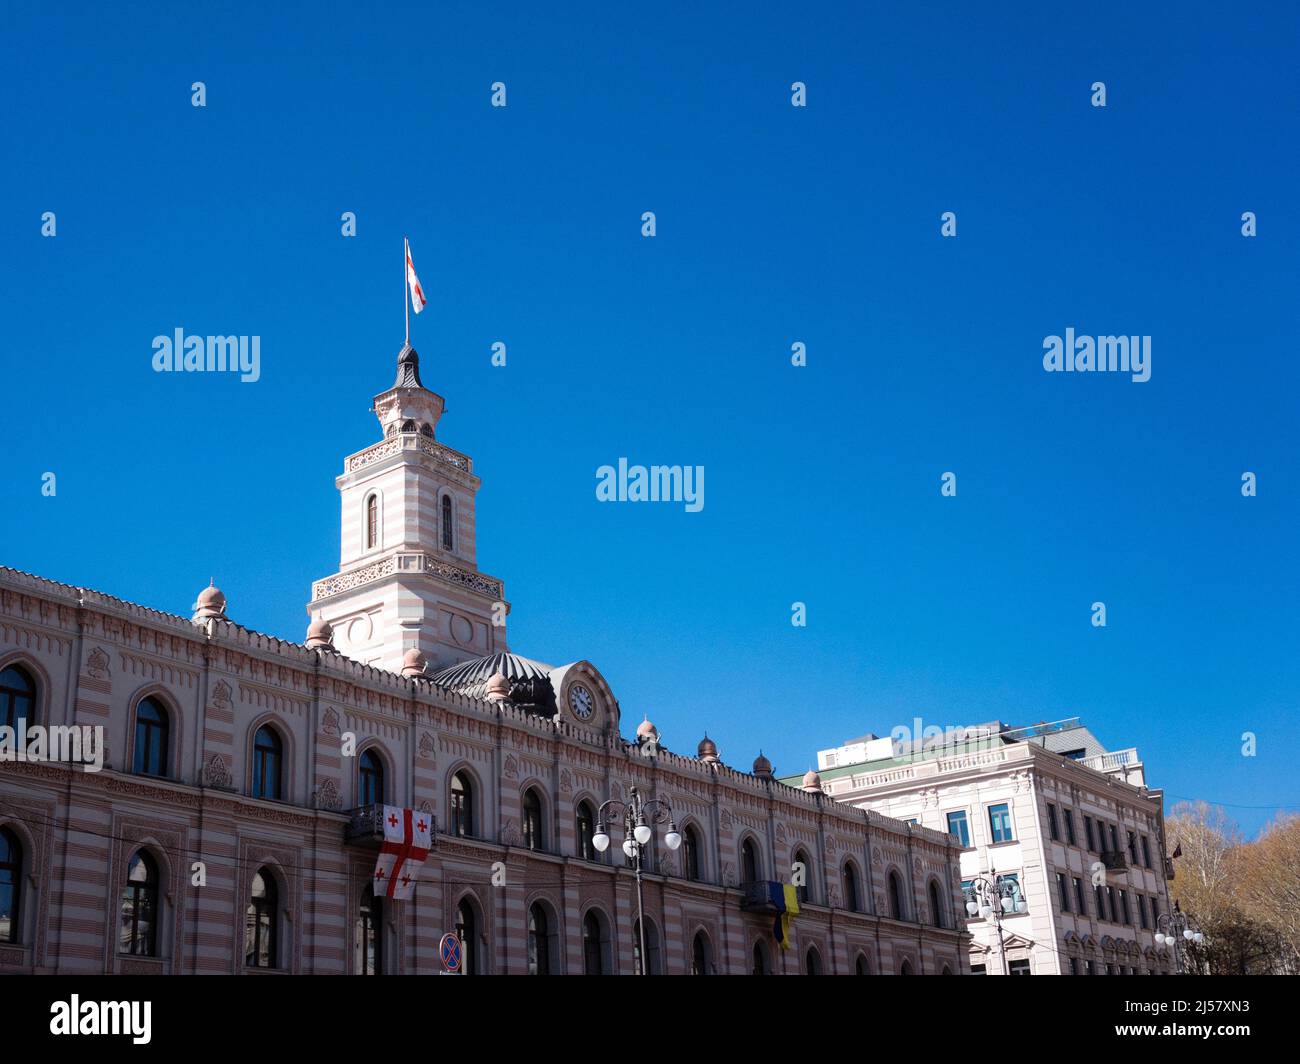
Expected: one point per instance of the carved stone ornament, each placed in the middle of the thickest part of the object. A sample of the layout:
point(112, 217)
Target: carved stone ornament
point(327, 796)
point(330, 723)
point(97, 664)
point(426, 745)
point(221, 694)
point(215, 773)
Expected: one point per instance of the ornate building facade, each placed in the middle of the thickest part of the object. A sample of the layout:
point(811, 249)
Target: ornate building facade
point(233, 827)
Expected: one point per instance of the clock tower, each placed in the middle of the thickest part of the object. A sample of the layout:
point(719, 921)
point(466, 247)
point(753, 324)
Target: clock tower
point(408, 578)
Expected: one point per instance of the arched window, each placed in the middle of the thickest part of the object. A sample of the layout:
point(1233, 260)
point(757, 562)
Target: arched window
point(851, 896)
point(369, 947)
point(462, 805)
point(896, 909)
point(261, 923)
point(586, 828)
point(906, 969)
point(532, 818)
point(593, 944)
point(17, 697)
point(467, 932)
point(268, 764)
point(448, 539)
point(946, 970)
point(750, 870)
point(651, 947)
point(936, 905)
point(152, 736)
point(860, 965)
point(539, 940)
point(691, 854)
point(701, 955)
point(11, 885)
point(370, 779)
point(372, 522)
point(760, 960)
point(812, 964)
point(802, 890)
point(138, 934)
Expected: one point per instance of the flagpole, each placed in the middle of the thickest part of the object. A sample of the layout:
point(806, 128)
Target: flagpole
point(406, 302)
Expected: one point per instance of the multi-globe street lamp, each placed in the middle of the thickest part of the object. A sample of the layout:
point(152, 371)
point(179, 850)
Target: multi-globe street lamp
point(992, 896)
point(1177, 930)
point(639, 817)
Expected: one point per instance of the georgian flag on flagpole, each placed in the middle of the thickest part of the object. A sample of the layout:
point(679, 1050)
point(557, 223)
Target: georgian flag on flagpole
point(417, 293)
point(407, 835)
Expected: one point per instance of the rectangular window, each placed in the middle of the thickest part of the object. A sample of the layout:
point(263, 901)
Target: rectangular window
point(1074, 965)
point(1123, 907)
point(1101, 902)
point(1013, 879)
point(1142, 911)
point(959, 826)
point(1063, 889)
point(1000, 822)
point(1114, 839)
point(1146, 853)
point(1133, 848)
point(1019, 967)
point(1087, 830)
point(1111, 907)
point(1069, 826)
point(1052, 827)
point(1080, 897)
point(978, 969)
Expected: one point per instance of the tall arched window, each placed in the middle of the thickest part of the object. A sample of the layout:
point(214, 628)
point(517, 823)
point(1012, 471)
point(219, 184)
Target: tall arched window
point(462, 805)
point(860, 965)
point(17, 697)
point(467, 932)
point(812, 964)
point(11, 885)
point(651, 947)
point(936, 905)
point(261, 923)
point(447, 537)
point(750, 870)
point(906, 969)
point(368, 956)
point(701, 955)
point(851, 897)
point(593, 944)
point(691, 854)
point(761, 966)
point(539, 940)
point(268, 764)
point(152, 736)
point(372, 522)
point(138, 934)
point(802, 890)
point(585, 824)
point(532, 818)
point(370, 779)
point(896, 909)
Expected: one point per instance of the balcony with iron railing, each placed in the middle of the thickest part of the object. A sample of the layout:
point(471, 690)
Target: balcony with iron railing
point(365, 826)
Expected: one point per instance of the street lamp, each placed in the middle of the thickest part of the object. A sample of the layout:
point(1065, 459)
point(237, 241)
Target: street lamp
point(639, 814)
point(1177, 930)
point(992, 896)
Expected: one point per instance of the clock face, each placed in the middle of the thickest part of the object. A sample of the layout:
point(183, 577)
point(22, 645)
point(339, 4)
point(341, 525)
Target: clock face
point(581, 702)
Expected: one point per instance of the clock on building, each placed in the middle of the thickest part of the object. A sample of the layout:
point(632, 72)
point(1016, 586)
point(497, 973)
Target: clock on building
point(581, 702)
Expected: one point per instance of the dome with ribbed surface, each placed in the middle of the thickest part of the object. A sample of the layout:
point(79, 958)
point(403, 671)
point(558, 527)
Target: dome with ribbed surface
point(471, 677)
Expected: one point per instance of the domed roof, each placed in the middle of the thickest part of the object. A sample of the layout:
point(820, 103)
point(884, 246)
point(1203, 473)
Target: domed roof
point(707, 750)
point(812, 781)
point(414, 662)
point(408, 368)
point(646, 730)
point(498, 687)
point(471, 677)
point(210, 603)
point(320, 633)
point(762, 766)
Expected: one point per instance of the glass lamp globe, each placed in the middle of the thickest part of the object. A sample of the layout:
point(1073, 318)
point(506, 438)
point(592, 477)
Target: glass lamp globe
point(1022, 906)
point(1188, 934)
point(642, 833)
point(1200, 937)
point(986, 911)
point(629, 847)
point(673, 839)
point(972, 908)
point(1007, 905)
point(1160, 939)
point(600, 840)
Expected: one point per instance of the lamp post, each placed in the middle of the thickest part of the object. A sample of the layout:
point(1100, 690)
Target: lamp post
point(991, 896)
point(1177, 930)
point(639, 816)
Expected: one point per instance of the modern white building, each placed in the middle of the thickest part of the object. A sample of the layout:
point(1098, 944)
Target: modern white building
point(1061, 835)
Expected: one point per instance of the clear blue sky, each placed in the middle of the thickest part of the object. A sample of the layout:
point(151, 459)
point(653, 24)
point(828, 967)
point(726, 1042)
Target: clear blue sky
point(775, 225)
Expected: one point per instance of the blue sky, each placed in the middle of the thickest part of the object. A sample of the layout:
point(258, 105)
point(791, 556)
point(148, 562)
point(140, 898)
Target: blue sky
point(775, 225)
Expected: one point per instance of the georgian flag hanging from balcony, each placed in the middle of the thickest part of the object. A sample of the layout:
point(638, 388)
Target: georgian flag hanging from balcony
point(407, 838)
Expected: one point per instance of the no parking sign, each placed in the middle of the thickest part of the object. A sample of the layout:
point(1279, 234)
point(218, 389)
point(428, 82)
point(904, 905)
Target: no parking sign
point(449, 951)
